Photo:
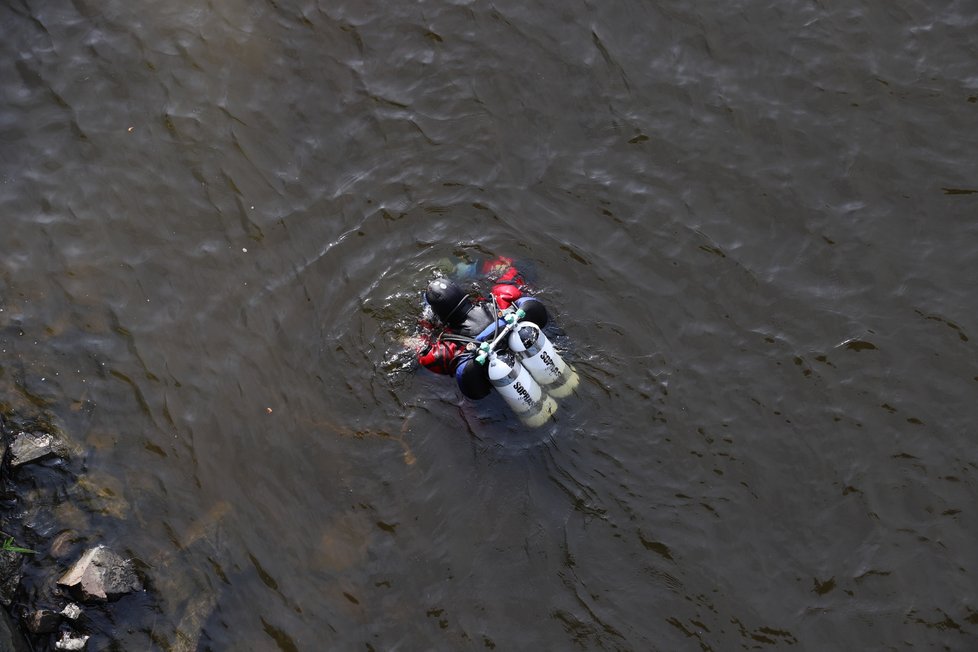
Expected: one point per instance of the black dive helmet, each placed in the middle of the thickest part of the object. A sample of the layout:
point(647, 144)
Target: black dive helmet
point(448, 300)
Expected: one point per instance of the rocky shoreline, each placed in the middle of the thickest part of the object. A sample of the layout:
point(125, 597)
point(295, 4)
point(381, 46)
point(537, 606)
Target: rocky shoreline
point(52, 611)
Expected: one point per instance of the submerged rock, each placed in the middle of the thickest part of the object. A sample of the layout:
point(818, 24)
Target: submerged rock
point(101, 575)
point(183, 582)
point(43, 621)
point(103, 494)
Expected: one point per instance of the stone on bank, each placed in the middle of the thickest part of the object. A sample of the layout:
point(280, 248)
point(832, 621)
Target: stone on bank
point(30, 446)
point(100, 575)
point(69, 641)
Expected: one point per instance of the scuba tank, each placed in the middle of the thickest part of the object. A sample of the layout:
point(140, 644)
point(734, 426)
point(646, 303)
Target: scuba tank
point(540, 358)
point(517, 387)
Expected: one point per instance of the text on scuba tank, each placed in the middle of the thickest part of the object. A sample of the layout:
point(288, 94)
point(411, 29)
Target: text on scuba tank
point(525, 395)
point(551, 365)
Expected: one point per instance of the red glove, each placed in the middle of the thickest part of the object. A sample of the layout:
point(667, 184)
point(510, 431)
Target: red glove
point(438, 356)
point(505, 294)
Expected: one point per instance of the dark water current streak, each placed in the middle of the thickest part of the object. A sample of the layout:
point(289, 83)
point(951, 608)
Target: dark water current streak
point(754, 222)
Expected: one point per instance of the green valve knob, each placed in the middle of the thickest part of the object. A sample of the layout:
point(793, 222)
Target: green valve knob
point(483, 353)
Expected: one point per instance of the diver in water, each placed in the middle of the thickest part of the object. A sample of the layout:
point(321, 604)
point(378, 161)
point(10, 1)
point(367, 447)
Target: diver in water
point(454, 324)
point(495, 342)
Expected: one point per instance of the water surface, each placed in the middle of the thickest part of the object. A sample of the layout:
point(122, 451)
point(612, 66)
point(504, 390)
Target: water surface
point(754, 224)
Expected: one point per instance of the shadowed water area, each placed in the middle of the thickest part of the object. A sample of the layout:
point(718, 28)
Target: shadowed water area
point(755, 224)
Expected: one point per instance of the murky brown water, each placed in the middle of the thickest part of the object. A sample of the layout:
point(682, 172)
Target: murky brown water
point(754, 222)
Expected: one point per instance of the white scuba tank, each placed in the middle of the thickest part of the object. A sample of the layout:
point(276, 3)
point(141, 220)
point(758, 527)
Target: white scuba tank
point(540, 358)
point(517, 387)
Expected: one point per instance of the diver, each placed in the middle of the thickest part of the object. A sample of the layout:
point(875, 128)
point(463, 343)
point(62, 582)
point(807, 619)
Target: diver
point(493, 342)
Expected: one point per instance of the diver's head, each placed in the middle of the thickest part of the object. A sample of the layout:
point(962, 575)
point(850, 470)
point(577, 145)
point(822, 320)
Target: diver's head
point(448, 300)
